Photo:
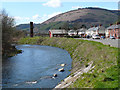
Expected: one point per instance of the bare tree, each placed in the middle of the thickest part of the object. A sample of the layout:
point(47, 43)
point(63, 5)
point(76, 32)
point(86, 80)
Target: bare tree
point(7, 27)
point(7, 24)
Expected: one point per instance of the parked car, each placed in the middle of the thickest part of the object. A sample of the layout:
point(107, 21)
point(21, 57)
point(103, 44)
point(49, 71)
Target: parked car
point(80, 36)
point(102, 37)
point(87, 36)
point(112, 37)
point(72, 33)
point(95, 37)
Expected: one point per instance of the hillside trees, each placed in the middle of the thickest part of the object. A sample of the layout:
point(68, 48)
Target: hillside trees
point(83, 26)
point(65, 26)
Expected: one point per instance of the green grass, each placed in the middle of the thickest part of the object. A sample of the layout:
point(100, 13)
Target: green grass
point(105, 59)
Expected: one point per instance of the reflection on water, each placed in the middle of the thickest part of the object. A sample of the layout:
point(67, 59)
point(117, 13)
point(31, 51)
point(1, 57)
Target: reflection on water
point(34, 68)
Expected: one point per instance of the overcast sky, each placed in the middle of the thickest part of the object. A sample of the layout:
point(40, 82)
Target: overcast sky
point(38, 11)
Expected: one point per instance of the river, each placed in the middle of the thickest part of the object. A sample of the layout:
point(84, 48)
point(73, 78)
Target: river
point(35, 66)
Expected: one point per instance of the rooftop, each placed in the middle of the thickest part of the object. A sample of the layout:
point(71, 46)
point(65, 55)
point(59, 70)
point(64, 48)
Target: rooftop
point(96, 28)
point(114, 26)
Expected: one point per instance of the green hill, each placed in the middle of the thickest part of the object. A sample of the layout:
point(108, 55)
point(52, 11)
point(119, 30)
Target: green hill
point(76, 18)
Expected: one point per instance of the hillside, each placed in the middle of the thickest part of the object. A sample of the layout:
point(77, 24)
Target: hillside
point(84, 15)
point(75, 18)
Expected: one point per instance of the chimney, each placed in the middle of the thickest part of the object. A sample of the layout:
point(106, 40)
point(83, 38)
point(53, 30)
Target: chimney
point(31, 29)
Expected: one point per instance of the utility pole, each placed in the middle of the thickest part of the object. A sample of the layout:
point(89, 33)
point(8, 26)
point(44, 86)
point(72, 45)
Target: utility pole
point(31, 29)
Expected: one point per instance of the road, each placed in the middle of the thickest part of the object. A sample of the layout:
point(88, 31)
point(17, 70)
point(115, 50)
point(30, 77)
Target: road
point(111, 42)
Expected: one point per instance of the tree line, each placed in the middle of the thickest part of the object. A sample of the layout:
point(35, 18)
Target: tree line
point(74, 26)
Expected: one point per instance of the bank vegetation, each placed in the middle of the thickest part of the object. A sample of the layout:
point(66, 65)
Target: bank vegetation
point(105, 60)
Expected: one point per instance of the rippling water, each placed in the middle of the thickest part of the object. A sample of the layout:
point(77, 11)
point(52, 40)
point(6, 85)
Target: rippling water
point(34, 68)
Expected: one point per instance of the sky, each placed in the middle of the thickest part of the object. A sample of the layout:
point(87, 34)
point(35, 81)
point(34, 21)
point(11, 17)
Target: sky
point(24, 11)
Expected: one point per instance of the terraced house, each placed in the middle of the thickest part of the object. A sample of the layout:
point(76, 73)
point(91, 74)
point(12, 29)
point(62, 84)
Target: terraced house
point(99, 30)
point(82, 32)
point(113, 30)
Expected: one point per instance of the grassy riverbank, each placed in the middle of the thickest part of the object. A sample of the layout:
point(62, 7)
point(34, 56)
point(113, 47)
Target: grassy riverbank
point(10, 51)
point(105, 60)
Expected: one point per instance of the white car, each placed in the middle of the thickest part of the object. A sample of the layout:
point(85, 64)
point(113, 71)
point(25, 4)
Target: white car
point(112, 37)
point(95, 37)
point(72, 33)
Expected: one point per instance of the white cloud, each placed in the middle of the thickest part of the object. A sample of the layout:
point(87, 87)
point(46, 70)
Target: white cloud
point(48, 16)
point(53, 3)
point(17, 18)
point(20, 20)
point(36, 16)
point(76, 7)
point(27, 18)
point(44, 17)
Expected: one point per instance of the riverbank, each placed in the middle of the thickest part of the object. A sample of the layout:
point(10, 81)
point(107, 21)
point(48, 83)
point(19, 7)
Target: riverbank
point(10, 51)
point(104, 60)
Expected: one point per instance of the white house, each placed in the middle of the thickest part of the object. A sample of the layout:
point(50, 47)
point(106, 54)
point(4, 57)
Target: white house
point(106, 33)
point(72, 33)
point(91, 31)
point(57, 33)
point(82, 32)
point(99, 30)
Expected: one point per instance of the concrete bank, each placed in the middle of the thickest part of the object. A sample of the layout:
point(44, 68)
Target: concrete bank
point(72, 78)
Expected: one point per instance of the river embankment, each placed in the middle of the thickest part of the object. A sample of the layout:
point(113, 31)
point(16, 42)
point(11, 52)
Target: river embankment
point(100, 62)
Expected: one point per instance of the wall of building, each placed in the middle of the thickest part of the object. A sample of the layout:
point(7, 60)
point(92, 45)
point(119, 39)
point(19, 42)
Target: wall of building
point(114, 32)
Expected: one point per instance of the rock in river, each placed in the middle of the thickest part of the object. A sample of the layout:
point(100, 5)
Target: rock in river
point(55, 75)
point(62, 65)
point(61, 70)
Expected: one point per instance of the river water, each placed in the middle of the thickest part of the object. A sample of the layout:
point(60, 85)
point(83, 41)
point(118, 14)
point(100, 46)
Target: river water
point(35, 66)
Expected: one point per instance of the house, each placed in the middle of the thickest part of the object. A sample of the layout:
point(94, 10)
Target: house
point(106, 33)
point(57, 33)
point(82, 32)
point(113, 30)
point(72, 33)
point(99, 30)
